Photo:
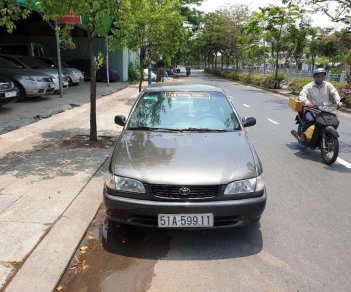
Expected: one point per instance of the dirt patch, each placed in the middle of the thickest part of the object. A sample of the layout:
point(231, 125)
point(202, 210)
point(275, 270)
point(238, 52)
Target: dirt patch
point(83, 141)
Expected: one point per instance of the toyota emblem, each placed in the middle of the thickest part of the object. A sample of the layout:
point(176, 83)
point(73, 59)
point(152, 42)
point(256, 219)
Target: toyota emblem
point(184, 191)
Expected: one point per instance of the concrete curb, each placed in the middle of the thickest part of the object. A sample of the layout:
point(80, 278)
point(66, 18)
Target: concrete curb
point(43, 269)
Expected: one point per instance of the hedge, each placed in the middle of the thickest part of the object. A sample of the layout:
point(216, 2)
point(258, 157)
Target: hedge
point(263, 80)
point(268, 81)
point(296, 85)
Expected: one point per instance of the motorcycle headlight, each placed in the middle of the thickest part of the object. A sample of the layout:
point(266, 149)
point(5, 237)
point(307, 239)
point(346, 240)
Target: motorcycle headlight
point(125, 184)
point(245, 186)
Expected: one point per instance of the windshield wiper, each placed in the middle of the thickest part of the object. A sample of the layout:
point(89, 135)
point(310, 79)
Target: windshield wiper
point(202, 130)
point(144, 128)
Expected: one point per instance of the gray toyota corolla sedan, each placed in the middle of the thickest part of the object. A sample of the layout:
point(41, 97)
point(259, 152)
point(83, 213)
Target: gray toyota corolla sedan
point(183, 160)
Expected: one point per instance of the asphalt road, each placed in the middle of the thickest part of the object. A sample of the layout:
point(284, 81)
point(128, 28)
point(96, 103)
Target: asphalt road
point(303, 242)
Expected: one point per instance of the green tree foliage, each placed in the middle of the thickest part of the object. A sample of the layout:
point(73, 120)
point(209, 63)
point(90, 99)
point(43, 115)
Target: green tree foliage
point(223, 35)
point(337, 10)
point(10, 12)
point(273, 24)
point(151, 27)
point(97, 13)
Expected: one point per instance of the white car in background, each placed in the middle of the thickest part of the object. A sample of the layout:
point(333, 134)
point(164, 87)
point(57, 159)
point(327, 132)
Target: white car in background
point(74, 75)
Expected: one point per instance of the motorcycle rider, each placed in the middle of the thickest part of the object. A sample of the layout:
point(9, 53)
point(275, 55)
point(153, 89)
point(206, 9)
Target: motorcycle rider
point(313, 94)
point(187, 70)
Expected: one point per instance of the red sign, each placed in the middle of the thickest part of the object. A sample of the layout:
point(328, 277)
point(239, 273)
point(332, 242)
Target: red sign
point(70, 18)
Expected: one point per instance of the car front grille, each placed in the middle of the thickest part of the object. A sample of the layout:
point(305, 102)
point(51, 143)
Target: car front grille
point(177, 192)
point(5, 86)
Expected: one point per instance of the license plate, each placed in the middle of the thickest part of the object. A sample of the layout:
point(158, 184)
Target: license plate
point(185, 220)
point(10, 94)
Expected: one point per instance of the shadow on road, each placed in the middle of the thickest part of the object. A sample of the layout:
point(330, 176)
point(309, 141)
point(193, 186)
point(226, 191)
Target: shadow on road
point(153, 244)
point(315, 156)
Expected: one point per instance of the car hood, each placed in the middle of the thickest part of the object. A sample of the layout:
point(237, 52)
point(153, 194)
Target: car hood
point(21, 73)
point(52, 72)
point(71, 71)
point(184, 158)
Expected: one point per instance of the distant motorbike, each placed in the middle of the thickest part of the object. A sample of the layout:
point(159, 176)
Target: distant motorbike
point(325, 135)
point(188, 71)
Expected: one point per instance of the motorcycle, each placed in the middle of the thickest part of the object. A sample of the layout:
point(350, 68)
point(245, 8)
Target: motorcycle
point(188, 71)
point(325, 135)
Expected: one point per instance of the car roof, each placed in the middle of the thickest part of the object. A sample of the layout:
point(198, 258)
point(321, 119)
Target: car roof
point(183, 87)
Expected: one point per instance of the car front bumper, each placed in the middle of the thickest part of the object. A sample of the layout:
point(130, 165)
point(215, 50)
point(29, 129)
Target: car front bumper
point(8, 95)
point(227, 213)
point(57, 84)
point(76, 78)
point(38, 88)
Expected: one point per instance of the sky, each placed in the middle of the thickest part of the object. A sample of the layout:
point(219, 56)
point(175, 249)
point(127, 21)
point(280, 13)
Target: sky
point(318, 19)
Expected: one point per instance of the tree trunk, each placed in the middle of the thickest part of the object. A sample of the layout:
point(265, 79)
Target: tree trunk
point(141, 60)
point(216, 61)
point(222, 62)
point(313, 62)
point(93, 128)
point(276, 65)
point(349, 77)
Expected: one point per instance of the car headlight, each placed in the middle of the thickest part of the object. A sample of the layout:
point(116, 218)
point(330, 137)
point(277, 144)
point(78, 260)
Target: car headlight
point(245, 186)
point(125, 184)
point(54, 77)
point(30, 78)
point(34, 79)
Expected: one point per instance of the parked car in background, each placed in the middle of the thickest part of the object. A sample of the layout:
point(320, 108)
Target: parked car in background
point(32, 63)
point(184, 160)
point(74, 75)
point(101, 74)
point(30, 49)
point(8, 92)
point(28, 82)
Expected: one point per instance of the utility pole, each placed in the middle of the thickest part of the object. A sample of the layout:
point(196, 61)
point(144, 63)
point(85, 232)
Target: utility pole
point(264, 56)
point(57, 34)
point(107, 62)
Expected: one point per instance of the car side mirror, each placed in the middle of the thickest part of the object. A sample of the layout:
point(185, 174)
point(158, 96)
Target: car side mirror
point(248, 121)
point(120, 120)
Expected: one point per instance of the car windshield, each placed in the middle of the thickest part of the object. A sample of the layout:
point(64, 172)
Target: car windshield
point(33, 62)
point(5, 64)
point(184, 111)
point(50, 62)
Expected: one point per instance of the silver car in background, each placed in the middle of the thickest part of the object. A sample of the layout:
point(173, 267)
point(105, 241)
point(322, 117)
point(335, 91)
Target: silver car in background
point(74, 75)
point(27, 82)
point(35, 64)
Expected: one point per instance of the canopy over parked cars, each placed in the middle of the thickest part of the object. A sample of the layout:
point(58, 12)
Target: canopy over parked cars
point(28, 82)
point(184, 159)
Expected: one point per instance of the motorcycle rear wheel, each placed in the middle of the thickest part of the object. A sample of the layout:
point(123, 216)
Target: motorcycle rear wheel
point(331, 150)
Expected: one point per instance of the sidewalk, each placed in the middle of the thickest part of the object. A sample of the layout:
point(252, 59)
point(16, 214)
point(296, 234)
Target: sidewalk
point(50, 191)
